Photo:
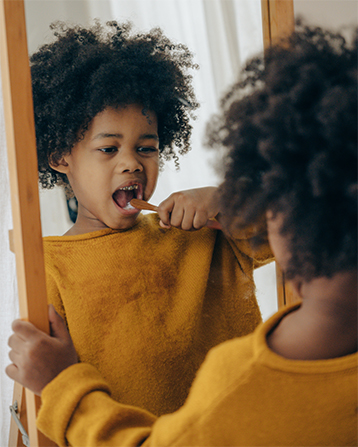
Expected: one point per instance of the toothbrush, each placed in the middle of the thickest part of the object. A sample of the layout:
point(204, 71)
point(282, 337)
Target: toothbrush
point(143, 205)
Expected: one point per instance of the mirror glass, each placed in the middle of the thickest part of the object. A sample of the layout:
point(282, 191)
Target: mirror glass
point(221, 34)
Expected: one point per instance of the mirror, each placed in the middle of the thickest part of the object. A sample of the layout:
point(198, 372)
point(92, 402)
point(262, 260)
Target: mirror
point(221, 34)
point(218, 55)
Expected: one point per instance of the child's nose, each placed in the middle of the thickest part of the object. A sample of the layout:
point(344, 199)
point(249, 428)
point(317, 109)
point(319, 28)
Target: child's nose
point(128, 162)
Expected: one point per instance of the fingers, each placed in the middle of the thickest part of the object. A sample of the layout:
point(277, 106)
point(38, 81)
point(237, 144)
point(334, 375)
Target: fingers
point(190, 220)
point(176, 211)
point(163, 225)
point(12, 372)
point(180, 218)
point(58, 327)
point(14, 369)
point(164, 211)
point(15, 343)
point(23, 329)
point(14, 356)
point(182, 210)
point(200, 220)
point(37, 358)
point(60, 333)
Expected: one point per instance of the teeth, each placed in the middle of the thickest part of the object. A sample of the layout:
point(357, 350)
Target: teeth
point(129, 188)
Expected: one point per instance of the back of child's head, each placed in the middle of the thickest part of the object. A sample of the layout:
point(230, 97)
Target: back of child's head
point(86, 70)
point(290, 128)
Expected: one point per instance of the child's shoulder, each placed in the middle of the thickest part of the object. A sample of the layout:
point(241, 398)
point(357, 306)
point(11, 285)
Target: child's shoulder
point(68, 240)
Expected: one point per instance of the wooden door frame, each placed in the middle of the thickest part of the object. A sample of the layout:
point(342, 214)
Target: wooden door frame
point(277, 20)
point(23, 174)
point(277, 23)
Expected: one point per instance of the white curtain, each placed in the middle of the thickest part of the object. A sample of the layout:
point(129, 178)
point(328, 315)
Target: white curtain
point(222, 34)
point(8, 292)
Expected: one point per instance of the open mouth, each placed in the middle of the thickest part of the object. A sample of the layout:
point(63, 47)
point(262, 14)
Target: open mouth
point(122, 196)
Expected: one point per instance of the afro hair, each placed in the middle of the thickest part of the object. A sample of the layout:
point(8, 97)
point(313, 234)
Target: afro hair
point(85, 70)
point(290, 129)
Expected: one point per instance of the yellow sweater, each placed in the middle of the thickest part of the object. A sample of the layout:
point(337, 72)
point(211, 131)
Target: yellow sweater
point(145, 305)
point(243, 395)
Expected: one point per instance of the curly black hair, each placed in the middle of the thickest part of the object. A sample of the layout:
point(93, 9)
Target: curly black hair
point(86, 70)
point(290, 128)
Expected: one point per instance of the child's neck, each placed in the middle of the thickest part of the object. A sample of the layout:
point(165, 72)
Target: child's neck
point(85, 224)
point(325, 325)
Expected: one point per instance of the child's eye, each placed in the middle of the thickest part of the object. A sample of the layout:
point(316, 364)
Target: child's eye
point(147, 149)
point(108, 150)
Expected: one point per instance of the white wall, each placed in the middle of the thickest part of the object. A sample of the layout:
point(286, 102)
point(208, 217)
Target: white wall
point(332, 14)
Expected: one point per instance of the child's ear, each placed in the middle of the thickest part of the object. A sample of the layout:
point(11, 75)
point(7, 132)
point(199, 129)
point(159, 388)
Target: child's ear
point(60, 165)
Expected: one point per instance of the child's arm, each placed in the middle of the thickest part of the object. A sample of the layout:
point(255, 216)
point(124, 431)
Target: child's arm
point(190, 209)
point(37, 358)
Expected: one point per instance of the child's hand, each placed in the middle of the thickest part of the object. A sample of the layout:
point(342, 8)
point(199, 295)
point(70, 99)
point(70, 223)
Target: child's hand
point(37, 358)
point(190, 209)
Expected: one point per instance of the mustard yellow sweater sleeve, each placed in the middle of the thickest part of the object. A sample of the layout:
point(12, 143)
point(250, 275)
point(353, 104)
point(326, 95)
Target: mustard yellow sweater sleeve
point(244, 395)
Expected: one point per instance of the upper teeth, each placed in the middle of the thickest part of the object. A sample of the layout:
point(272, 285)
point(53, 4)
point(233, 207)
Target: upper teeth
point(129, 188)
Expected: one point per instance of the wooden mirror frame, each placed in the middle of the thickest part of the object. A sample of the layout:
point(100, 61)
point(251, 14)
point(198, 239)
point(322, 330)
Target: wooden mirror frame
point(277, 21)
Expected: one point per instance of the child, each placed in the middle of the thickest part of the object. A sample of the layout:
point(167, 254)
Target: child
point(293, 157)
point(142, 303)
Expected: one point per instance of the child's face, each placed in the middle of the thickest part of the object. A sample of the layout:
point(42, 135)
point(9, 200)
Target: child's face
point(117, 159)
